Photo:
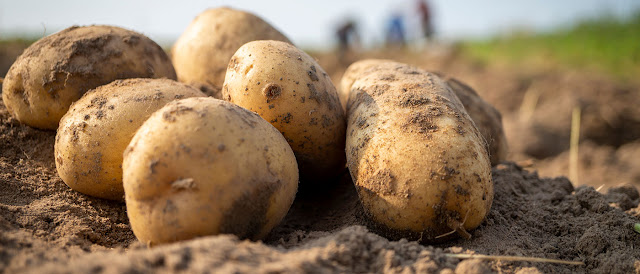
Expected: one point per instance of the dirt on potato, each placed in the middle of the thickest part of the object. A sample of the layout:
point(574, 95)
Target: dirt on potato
point(45, 227)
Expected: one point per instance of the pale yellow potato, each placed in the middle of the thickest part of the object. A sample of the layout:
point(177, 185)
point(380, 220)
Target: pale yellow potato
point(58, 69)
point(96, 130)
point(202, 52)
point(203, 166)
point(420, 165)
point(286, 87)
point(486, 118)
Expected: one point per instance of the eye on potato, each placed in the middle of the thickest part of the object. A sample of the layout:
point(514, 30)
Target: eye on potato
point(486, 118)
point(286, 87)
point(203, 166)
point(202, 52)
point(96, 130)
point(57, 70)
point(419, 164)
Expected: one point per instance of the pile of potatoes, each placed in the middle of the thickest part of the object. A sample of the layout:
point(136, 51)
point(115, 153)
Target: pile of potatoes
point(250, 120)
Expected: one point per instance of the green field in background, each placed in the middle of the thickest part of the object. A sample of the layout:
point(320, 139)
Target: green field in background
point(605, 44)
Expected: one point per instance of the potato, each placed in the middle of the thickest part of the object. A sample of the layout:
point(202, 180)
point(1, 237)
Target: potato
point(486, 118)
point(96, 130)
point(419, 164)
point(202, 52)
point(57, 70)
point(203, 166)
point(286, 87)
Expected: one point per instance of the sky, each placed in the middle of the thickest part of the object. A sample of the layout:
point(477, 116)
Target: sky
point(307, 23)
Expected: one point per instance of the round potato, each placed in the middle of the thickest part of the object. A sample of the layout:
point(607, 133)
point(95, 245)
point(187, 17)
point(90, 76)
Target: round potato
point(420, 165)
point(96, 130)
point(202, 166)
point(486, 118)
point(202, 52)
point(286, 87)
point(57, 70)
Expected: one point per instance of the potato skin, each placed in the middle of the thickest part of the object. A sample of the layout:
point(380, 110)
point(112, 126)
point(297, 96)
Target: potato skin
point(58, 69)
point(486, 118)
point(202, 52)
point(203, 166)
point(351, 74)
point(286, 87)
point(94, 133)
point(418, 162)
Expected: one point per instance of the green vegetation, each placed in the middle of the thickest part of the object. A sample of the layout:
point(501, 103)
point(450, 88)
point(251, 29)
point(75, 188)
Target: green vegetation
point(605, 44)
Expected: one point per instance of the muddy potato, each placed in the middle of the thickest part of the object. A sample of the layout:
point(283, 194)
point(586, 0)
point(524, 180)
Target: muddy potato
point(420, 165)
point(57, 70)
point(203, 166)
point(486, 118)
point(202, 52)
point(97, 128)
point(286, 87)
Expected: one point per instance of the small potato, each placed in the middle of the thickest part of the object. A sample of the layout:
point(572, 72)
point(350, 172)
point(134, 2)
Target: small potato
point(420, 165)
point(57, 70)
point(96, 130)
point(202, 166)
point(202, 52)
point(286, 87)
point(486, 118)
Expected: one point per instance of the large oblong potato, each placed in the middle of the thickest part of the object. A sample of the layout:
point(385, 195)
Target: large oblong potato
point(58, 69)
point(286, 87)
point(202, 52)
point(486, 117)
point(420, 165)
point(203, 166)
point(96, 130)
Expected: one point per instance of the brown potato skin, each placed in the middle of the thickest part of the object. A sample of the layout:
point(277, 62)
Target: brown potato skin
point(419, 164)
point(95, 131)
point(286, 87)
point(486, 117)
point(58, 69)
point(203, 166)
point(202, 52)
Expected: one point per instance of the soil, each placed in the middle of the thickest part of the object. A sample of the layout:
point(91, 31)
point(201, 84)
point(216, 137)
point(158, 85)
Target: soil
point(45, 227)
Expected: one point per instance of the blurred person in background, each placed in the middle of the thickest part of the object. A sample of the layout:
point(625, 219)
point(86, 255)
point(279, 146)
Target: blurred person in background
point(396, 31)
point(424, 11)
point(348, 39)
